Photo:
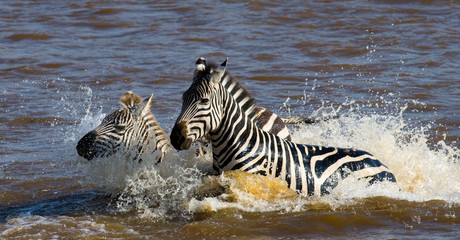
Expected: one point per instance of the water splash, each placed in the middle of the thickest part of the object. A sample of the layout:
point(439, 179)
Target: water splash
point(423, 172)
point(180, 186)
point(155, 191)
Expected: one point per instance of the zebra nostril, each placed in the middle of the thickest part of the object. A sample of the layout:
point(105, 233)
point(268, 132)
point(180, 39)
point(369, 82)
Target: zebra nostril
point(85, 146)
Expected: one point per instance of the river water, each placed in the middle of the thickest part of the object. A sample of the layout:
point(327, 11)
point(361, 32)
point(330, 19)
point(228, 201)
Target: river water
point(389, 70)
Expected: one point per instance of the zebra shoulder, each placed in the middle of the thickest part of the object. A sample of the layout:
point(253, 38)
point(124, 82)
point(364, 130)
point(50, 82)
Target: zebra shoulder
point(272, 123)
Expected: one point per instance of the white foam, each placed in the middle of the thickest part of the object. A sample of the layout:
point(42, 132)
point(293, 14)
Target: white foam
point(423, 173)
point(173, 186)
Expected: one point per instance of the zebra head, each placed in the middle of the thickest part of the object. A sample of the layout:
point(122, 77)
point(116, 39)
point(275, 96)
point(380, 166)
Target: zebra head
point(201, 105)
point(120, 130)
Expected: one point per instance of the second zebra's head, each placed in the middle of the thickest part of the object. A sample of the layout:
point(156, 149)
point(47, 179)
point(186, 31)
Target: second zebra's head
point(201, 105)
point(121, 130)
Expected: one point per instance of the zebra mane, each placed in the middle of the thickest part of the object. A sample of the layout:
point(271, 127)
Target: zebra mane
point(237, 90)
point(129, 100)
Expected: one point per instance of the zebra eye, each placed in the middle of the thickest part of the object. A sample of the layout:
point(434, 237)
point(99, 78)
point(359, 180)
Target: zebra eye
point(120, 127)
point(204, 100)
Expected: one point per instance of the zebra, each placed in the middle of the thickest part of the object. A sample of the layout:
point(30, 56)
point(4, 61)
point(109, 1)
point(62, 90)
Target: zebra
point(131, 127)
point(239, 144)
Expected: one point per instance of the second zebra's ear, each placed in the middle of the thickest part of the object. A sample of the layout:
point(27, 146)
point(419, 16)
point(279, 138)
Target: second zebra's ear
point(200, 66)
point(129, 100)
point(220, 71)
point(144, 106)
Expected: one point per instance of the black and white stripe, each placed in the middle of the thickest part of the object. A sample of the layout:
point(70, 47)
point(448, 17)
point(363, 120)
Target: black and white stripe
point(128, 129)
point(264, 118)
point(238, 143)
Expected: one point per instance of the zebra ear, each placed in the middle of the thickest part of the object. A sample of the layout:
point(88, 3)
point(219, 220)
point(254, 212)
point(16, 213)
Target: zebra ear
point(200, 64)
point(223, 66)
point(220, 71)
point(144, 106)
point(129, 100)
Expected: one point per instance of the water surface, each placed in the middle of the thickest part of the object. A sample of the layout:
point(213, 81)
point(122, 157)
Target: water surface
point(389, 70)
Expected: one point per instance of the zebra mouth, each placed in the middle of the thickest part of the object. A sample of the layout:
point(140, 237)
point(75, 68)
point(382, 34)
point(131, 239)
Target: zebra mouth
point(179, 138)
point(181, 143)
point(88, 155)
point(185, 144)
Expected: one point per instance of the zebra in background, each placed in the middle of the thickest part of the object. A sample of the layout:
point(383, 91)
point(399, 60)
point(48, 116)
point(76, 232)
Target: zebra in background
point(132, 127)
point(238, 143)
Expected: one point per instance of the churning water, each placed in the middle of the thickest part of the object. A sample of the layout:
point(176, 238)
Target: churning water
point(388, 70)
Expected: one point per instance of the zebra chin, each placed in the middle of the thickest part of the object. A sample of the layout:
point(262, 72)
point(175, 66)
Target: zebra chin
point(182, 144)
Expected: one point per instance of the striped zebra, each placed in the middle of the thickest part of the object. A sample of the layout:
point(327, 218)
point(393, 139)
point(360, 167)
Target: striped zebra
point(132, 127)
point(238, 143)
point(266, 120)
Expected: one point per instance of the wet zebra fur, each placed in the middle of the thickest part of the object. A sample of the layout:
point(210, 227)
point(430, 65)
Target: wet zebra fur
point(267, 121)
point(132, 127)
point(264, 118)
point(238, 143)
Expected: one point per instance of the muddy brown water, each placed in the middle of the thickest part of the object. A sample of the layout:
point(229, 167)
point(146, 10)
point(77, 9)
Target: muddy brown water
point(389, 71)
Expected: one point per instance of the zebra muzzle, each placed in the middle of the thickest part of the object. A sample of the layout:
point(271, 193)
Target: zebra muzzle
point(85, 146)
point(179, 138)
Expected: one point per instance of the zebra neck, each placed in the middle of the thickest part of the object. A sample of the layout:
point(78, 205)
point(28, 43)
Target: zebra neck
point(235, 137)
point(143, 132)
point(240, 94)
